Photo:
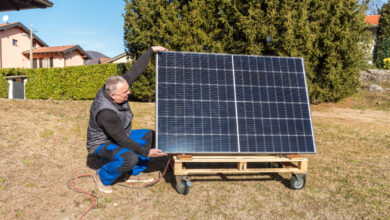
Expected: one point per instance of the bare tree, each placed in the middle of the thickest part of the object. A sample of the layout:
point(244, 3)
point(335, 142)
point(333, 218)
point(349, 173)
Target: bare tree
point(374, 6)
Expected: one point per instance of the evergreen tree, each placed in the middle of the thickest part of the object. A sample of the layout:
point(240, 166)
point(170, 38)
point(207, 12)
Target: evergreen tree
point(329, 35)
point(339, 47)
point(382, 47)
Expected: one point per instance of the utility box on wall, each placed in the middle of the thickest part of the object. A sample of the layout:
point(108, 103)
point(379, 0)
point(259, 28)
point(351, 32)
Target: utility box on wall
point(16, 89)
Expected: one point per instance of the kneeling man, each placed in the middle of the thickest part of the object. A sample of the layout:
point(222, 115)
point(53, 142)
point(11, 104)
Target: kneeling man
point(109, 133)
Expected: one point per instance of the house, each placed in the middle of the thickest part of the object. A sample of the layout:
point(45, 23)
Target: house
point(373, 22)
point(15, 48)
point(96, 58)
point(60, 56)
point(11, 5)
point(121, 58)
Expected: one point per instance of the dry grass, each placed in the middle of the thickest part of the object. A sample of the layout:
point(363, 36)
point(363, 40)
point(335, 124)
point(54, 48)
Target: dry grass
point(42, 144)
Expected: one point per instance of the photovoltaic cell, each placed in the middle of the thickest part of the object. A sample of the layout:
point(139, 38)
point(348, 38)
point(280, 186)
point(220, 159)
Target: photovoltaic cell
point(219, 103)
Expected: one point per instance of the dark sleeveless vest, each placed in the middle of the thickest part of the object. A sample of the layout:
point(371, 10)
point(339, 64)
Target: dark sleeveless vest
point(95, 134)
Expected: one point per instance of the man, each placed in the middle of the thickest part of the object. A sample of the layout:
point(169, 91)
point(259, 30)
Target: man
point(109, 132)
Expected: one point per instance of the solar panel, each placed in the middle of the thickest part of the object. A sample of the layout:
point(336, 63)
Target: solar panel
point(220, 103)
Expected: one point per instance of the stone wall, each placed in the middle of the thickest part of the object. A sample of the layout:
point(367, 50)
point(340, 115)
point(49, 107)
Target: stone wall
point(374, 75)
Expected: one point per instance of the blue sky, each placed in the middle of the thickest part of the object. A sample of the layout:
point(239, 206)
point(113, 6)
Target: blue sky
point(93, 24)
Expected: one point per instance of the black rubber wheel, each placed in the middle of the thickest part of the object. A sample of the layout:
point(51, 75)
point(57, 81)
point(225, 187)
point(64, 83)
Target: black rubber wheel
point(297, 181)
point(275, 165)
point(182, 187)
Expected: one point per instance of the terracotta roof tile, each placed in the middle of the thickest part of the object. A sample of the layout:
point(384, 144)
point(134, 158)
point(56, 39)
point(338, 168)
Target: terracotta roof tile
point(6, 24)
point(372, 19)
point(51, 49)
point(59, 49)
point(104, 59)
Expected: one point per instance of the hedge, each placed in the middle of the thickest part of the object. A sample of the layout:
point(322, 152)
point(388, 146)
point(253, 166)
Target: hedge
point(75, 83)
point(3, 87)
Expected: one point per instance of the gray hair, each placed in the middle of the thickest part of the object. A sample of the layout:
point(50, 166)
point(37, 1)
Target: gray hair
point(112, 83)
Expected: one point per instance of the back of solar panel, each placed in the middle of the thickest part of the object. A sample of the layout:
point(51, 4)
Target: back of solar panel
point(220, 103)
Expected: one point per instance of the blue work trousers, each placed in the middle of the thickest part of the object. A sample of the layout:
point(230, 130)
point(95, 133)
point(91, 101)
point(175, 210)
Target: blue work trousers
point(122, 160)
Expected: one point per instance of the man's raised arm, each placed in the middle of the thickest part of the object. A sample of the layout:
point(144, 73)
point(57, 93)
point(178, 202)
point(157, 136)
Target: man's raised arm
point(140, 64)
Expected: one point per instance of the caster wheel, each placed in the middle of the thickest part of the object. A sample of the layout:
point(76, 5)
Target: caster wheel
point(182, 185)
point(275, 165)
point(297, 181)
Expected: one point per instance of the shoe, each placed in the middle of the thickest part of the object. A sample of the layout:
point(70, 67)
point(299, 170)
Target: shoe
point(142, 178)
point(100, 185)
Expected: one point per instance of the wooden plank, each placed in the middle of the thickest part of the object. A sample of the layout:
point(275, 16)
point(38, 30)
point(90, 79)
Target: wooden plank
point(238, 159)
point(185, 157)
point(237, 156)
point(242, 165)
point(178, 167)
point(289, 165)
point(303, 166)
point(236, 171)
point(292, 156)
point(296, 164)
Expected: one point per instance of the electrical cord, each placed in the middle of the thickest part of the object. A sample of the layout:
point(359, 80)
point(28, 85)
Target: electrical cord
point(148, 184)
point(72, 187)
point(95, 198)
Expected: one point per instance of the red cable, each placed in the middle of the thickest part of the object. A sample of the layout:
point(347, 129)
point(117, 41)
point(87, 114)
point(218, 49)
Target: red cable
point(71, 186)
point(160, 176)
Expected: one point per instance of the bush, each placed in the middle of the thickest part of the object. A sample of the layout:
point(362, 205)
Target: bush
point(386, 62)
point(75, 83)
point(69, 83)
point(3, 87)
point(144, 87)
point(381, 49)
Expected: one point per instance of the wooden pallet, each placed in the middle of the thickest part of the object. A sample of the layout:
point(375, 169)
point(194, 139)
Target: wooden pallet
point(290, 164)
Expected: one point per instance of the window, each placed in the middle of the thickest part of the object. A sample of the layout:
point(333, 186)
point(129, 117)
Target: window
point(34, 44)
point(40, 62)
point(35, 63)
point(14, 42)
point(45, 63)
point(51, 62)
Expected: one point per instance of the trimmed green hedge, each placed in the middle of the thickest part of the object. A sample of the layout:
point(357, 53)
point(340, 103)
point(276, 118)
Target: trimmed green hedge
point(3, 87)
point(76, 83)
point(69, 83)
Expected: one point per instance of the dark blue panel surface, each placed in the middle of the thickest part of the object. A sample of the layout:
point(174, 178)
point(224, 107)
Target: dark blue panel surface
point(279, 104)
point(210, 103)
point(196, 108)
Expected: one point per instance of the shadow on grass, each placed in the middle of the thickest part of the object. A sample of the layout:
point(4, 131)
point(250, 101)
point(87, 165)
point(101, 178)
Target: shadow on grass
point(155, 164)
point(160, 164)
point(243, 178)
